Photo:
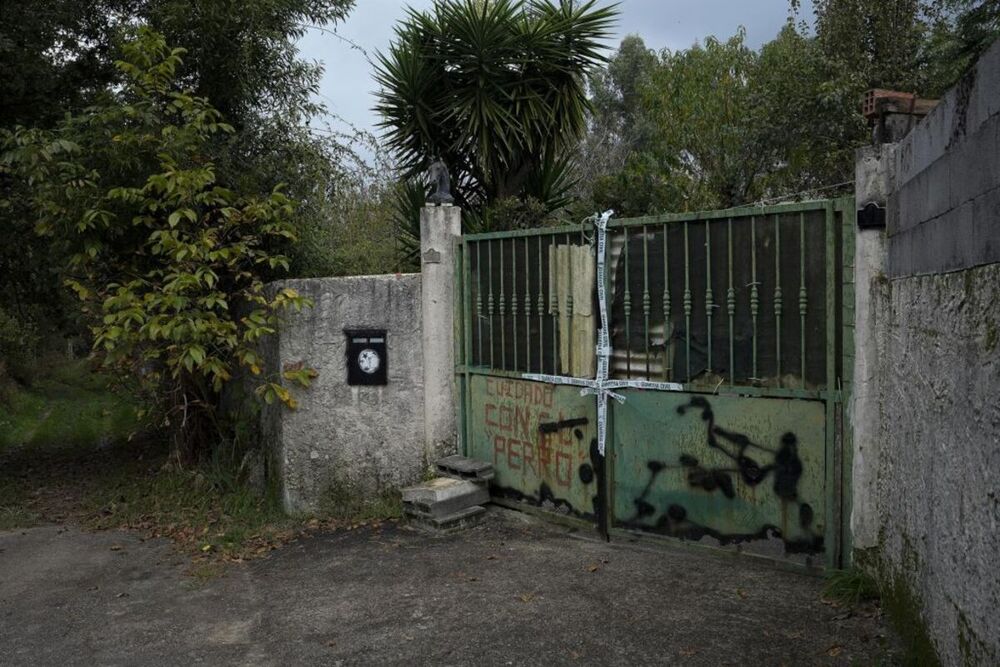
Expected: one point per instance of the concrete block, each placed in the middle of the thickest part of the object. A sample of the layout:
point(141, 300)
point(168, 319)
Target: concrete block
point(986, 226)
point(443, 496)
point(982, 98)
point(447, 524)
point(462, 467)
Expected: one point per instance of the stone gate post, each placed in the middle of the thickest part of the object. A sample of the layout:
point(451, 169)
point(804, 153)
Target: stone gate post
point(440, 226)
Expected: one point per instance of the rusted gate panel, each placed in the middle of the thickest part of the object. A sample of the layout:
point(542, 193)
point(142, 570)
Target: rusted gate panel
point(744, 311)
point(539, 438)
point(722, 470)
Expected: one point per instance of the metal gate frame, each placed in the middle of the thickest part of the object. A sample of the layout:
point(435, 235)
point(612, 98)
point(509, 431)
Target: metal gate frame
point(839, 221)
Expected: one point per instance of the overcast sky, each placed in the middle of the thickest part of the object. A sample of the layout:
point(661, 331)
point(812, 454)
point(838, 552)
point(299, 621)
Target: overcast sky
point(347, 87)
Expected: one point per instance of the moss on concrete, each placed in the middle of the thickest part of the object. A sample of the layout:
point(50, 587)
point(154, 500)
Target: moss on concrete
point(901, 602)
point(902, 606)
point(990, 339)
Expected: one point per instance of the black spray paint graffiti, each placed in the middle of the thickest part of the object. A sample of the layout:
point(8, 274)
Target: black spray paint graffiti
point(589, 472)
point(785, 469)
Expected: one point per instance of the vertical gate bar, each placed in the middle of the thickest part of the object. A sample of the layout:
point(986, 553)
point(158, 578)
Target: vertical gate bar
point(590, 297)
point(465, 399)
point(503, 308)
point(833, 509)
point(605, 518)
point(667, 333)
point(490, 303)
point(513, 296)
point(554, 302)
point(803, 298)
point(708, 290)
point(754, 296)
point(540, 311)
point(479, 301)
point(777, 296)
point(628, 310)
point(731, 304)
point(687, 304)
point(527, 307)
point(831, 298)
point(569, 305)
point(645, 292)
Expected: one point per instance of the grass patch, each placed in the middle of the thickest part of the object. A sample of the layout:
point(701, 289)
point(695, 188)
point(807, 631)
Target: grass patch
point(66, 457)
point(67, 405)
point(850, 587)
point(209, 510)
point(14, 515)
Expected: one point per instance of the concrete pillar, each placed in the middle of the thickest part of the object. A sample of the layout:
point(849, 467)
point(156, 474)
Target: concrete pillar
point(439, 227)
point(874, 182)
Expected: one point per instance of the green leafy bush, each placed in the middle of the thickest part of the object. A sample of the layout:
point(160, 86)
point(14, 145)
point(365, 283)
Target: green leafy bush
point(168, 262)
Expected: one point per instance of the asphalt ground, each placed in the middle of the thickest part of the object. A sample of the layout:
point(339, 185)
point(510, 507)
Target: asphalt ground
point(511, 591)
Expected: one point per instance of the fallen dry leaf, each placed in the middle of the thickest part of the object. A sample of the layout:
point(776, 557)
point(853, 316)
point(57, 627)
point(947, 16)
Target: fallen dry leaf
point(834, 650)
point(592, 568)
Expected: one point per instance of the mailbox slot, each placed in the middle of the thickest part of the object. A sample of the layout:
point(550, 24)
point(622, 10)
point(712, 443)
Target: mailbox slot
point(367, 357)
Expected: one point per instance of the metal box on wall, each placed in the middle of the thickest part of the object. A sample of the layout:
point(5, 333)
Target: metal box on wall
point(367, 358)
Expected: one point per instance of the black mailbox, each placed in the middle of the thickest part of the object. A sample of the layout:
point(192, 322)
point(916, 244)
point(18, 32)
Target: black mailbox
point(367, 360)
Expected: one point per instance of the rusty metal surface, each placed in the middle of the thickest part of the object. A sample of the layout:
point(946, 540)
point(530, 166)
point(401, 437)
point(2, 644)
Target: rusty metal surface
point(742, 309)
point(725, 470)
point(539, 438)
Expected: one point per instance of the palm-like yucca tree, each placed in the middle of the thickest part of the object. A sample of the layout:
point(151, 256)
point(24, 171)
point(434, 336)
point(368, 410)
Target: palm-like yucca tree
point(496, 89)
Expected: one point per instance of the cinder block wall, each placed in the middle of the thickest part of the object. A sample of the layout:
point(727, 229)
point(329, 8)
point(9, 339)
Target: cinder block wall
point(360, 440)
point(927, 482)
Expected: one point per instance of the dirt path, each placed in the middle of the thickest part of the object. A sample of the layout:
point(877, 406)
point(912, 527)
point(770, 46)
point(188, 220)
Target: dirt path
point(512, 591)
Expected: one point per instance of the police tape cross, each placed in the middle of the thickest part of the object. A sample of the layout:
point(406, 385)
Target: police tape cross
point(601, 386)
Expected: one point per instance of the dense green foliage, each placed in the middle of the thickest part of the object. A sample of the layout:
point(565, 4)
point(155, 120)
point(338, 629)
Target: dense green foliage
point(58, 57)
point(721, 124)
point(67, 405)
point(497, 91)
point(160, 253)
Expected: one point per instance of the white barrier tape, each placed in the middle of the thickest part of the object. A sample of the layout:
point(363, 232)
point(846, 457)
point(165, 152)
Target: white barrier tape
point(559, 379)
point(643, 384)
point(601, 386)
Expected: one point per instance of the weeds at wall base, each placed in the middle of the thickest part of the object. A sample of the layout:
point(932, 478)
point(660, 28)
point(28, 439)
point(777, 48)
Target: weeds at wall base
point(344, 502)
point(901, 605)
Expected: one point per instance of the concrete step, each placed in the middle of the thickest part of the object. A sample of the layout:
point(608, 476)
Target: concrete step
point(465, 518)
point(462, 467)
point(444, 496)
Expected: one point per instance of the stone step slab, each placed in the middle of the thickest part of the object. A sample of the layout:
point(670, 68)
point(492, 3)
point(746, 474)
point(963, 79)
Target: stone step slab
point(462, 467)
point(443, 496)
point(465, 518)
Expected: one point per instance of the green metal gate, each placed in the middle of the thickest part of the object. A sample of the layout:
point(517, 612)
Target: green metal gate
point(744, 310)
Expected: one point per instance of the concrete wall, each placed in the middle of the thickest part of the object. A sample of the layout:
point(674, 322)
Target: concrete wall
point(357, 439)
point(926, 505)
